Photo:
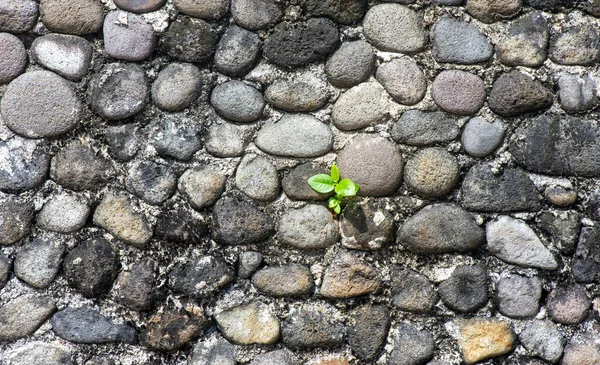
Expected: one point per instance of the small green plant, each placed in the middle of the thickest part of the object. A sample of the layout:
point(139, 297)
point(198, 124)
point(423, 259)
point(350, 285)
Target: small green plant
point(323, 183)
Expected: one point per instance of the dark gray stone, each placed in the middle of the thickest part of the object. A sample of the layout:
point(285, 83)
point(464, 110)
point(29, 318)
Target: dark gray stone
point(177, 86)
point(411, 345)
point(213, 351)
point(237, 101)
point(368, 328)
point(311, 327)
point(173, 140)
point(91, 267)
point(138, 287)
point(298, 44)
point(130, 40)
point(211, 9)
point(412, 291)
point(181, 225)
point(586, 262)
point(237, 222)
point(151, 182)
point(237, 51)
point(384, 22)
point(481, 137)
point(170, 330)
point(297, 95)
point(86, 325)
point(248, 263)
point(79, 167)
point(15, 220)
point(351, 64)
point(284, 281)
point(562, 229)
point(433, 231)
point(526, 43)
point(568, 304)
point(366, 226)
point(518, 296)
point(515, 93)
point(200, 277)
point(123, 140)
point(189, 40)
point(23, 315)
point(511, 190)
point(18, 17)
point(255, 14)
point(466, 290)
point(575, 46)
point(295, 183)
point(418, 128)
point(347, 12)
point(14, 58)
point(459, 42)
point(37, 263)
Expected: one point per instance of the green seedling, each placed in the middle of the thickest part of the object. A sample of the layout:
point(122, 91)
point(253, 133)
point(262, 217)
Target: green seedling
point(323, 183)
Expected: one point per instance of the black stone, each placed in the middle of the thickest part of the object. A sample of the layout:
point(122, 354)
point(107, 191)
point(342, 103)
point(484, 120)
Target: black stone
point(586, 261)
point(411, 346)
point(562, 228)
point(15, 220)
point(171, 330)
point(22, 171)
point(309, 328)
point(237, 222)
point(151, 182)
point(367, 331)
point(514, 93)
point(412, 291)
point(86, 325)
point(466, 290)
point(200, 277)
point(189, 40)
point(123, 141)
point(180, 225)
point(344, 12)
point(139, 288)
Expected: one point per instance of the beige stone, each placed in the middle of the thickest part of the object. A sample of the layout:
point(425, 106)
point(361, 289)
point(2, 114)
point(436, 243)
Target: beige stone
point(482, 339)
point(249, 324)
point(115, 214)
point(349, 277)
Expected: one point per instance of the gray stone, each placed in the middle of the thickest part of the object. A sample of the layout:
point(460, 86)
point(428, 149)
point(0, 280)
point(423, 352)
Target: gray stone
point(490, 11)
point(257, 177)
point(200, 277)
point(189, 40)
point(227, 139)
point(305, 136)
point(123, 140)
point(412, 291)
point(513, 241)
point(431, 172)
point(119, 91)
point(372, 162)
point(562, 229)
point(411, 345)
point(91, 267)
point(249, 324)
point(86, 325)
point(37, 262)
point(18, 17)
point(23, 315)
point(151, 182)
point(403, 80)
point(515, 93)
point(585, 352)
point(79, 167)
point(367, 330)
point(181, 225)
point(458, 92)
point(466, 290)
point(348, 276)
point(301, 43)
point(255, 14)
point(212, 9)
point(5, 269)
point(138, 288)
point(177, 86)
point(586, 263)
point(518, 296)
point(237, 222)
point(383, 23)
point(459, 42)
point(481, 137)
point(175, 140)
point(575, 46)
point(127, 36)
point(63, 213)
point(15, 220)
point(577, 94)
point(295, 183)
point(284, 281)
point(351, 64)
point(366, 226)
point(297, 96)
point(543, 339)
point(277, 357)
point(312, 327)
point(361, 106)
point(14, 58)
point(248, 263)
point(526, 43)
point(202, 185)
point(40, 353)
point(67, 55)
point(548, 4)
point(237, 51)
point(80, 17)
point(568, 304)
point(140, 6)
point(449, 3)
point(418, 128)
point(345, 13)
point(237, 101)
point(509, 191)
point(117, 214)
point(213, 351)
point(433, 231)
point(309, 227)
point(41, 104)
point(558, 145)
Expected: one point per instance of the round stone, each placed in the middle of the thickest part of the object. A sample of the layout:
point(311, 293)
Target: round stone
point(119, 91)
point(67, 55)
point(348, 276)
point(515, 93)
point(577, 93)
point(458, 92)
point(177, 86)
point(297, 96)
point(361, 106)
point(480, 137)
point(412, 291)
point(64, 213)
point(249, 324)
point(202, 185)
point(432, 172)
point(372, 162)
point(306, 136)
point(227, 139)
point(140, 6)
point(403, 79)
point(189, 40)
point(237, 101)
point(41, 104)
point(351, 64)
point(257, 177)
point(518, 296)
point(207, 9)
point(128, 37)
point(543, 339)
point(560, 196)
point(489, 11)
point(18, 17)
point(14, 57)
point(152, 182)
point(411, 345)
point(568, 305)
point(80, 17)
point(459, 42)
point(37, 262)
point(237, 51)
point(173, 140)
point(255, 14)
point(25, 165)
point(308, 228)
point(383, 24)
point(284, 281)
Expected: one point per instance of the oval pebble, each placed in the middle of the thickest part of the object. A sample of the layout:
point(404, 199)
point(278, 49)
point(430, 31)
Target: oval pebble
point(18, 17)
point(206, 9)
point(189, 40)
point(237, 51)
point(41, 104)
point(64, 213)
point(394, 28)
point(296, 95)
point(255, 14)
point(257, 177)
point(67, 55)
point(140, 6)
point(459, 42)
point(14, 57)
point(480, 137)
point(403, 79)
point(458, 92)
point(237, 101)
point(79, 17)
point(351, 64)
point(431, 172)
point(177, 86)
point(310, 227)
point(361, 106)
point(128, 37)
point(295, 135)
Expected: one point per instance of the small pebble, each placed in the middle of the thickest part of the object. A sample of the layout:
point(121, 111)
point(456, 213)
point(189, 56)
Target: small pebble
point(227, 139)
point(560, 196)
point(248, 324)
point(481, 137)
point(200, 277)
point(257, 177)
point(458, 92)
point(348, 276)
point(129, 39)
point(403, 79)
point(117, 214)
point(431, 172)
point(14, 59)
point(151, 182)
point(543, 339)
point(489, 11)
point(79, 17)
point(526, 43)
point(87, 325)
point(210, 9)
point(366, 226)
point(483, 338)
point(515, 93)
point(577, 94)
point(411, 345)
point(248, 263)
point(518, 296)
point(459, 42)
point(177, 86)
point(23, 315)
point(310, 227)
point(37, 262)
point(311, 326)
point(237, 51)
point(189, 40)
point(255, 14)
point(140, 6)
point(284, 281)
point(202, 185)
point(568, 305)
point(18, 17)
point(368, 330)
point(171, 330)
point(67, 55)
point(78, 167)
point(419, 128)
point(297, 96)
point(237, 222)
point(575, 46)
point(63, 213)
point(384, 22)
point(237, 101)
point(177, 140)
point(16, 216)
point(412, 291)
point(351, 64)
point(466, 290)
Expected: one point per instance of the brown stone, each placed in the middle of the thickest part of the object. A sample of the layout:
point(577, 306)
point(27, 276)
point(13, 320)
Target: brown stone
point(115, 213)
point(483, 338)
point(329, 361)
point(284, 281)
point(171, 330)
point(79, 17)
point(348, 277)
point(489, 11)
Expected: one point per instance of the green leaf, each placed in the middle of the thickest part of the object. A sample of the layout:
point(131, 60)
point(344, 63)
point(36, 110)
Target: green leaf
point(337, 209)
point(321, 183)
point(332, 202)
point(335, 173)
point(346, 188)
